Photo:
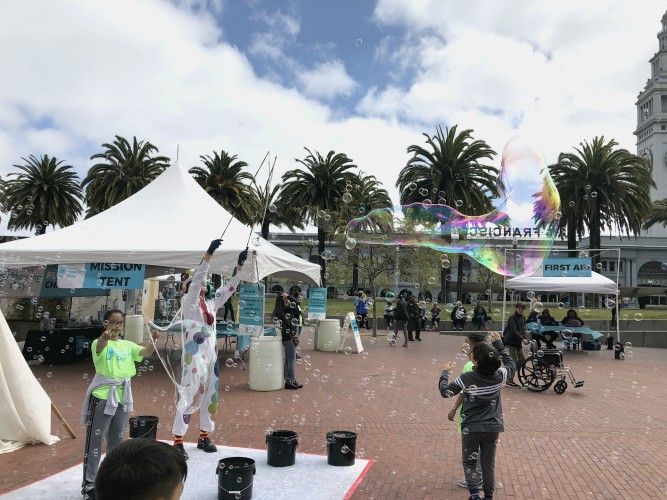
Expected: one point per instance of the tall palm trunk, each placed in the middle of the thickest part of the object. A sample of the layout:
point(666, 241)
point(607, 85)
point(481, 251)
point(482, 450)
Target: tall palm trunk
point(355, 275)
point(572, 245)
point(444, 285)
point(321, 239)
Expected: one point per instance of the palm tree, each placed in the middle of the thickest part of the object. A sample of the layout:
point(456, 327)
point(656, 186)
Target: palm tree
point(451, 170)
point(223, 177)
point(126, 169)
point(601, 188)
point(658, 214)
point(44, 192)
point(318, 189)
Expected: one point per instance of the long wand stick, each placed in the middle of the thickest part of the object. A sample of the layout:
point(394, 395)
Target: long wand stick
point(231, 218)
point(266, 203)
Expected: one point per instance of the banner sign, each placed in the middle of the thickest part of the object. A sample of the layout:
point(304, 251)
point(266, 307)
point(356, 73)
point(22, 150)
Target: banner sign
point(350, 326)
point(50, 289)
point(101, 276)
point(567, 268)
point(317, 303)
point(251, 308)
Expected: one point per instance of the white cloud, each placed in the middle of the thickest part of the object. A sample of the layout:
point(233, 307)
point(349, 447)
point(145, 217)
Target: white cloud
point(326, 80)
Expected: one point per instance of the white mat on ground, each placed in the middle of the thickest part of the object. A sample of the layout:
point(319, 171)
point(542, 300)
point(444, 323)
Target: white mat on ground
point(311, 477)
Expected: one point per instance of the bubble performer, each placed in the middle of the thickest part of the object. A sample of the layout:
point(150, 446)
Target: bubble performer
point(199, 363)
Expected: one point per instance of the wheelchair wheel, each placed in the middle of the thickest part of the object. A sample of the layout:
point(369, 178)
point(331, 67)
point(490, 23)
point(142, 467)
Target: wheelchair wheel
point(535, 375)
point(560, 387)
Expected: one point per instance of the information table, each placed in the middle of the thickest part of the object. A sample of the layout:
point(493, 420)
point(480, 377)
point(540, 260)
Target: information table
point(64, 345)
point(584, 330)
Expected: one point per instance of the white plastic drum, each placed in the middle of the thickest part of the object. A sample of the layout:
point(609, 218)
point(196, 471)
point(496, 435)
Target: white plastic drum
point(266, 360)
point(328, 335)
point(134, 328)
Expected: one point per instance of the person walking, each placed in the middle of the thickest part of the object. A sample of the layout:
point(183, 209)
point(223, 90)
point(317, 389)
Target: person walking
point(400, 319)
point(514, 337)
point(413, 319)
point(229, 308)
point(361, 308)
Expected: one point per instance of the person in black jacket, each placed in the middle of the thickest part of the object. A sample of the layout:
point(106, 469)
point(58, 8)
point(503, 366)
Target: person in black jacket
point(289, 314)
point(400, 319)
point(546, 319)
point(514, 337)
point(413, 318)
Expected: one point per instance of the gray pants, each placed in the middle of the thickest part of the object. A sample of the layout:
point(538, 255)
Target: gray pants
point(479, 446)
point(516, 353)
point(98, 427)
point(401, 323)
point(290, 356)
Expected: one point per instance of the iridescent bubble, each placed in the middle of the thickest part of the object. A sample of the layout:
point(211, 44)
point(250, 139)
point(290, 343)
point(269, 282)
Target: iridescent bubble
point(272, 208)
point(528, 199)
point(347, 197)
point(638, 317)
point(350, 243)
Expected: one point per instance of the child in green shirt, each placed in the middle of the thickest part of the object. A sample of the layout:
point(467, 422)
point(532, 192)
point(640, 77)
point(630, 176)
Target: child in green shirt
point(109, 398)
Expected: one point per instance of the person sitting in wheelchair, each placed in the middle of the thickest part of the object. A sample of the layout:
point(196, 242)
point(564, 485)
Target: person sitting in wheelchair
point(571, 319)
point(546, 319)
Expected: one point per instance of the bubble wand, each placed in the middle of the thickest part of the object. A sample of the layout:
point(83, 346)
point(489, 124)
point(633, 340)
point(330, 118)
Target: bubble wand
point(266, 203)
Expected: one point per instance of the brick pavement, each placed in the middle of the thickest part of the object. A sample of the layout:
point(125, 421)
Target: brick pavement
point(605, 440)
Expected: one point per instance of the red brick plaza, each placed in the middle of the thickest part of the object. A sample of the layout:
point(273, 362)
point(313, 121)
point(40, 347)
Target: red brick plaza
point(604, 440)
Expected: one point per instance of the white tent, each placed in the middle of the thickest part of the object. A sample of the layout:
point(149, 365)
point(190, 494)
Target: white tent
point(25, 411)
point(596, 283)
point(168, 223)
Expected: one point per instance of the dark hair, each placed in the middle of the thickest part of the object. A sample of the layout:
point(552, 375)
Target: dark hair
point(572, 310)
point(476, 337)
point(519, 304)
point(140, 469)
point(107, 314)
point(486, 359)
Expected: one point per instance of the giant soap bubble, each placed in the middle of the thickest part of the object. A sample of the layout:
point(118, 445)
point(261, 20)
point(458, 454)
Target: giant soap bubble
point(526, 213)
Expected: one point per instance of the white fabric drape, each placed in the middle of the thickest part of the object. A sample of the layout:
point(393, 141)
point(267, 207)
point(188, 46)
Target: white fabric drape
point(25, 408)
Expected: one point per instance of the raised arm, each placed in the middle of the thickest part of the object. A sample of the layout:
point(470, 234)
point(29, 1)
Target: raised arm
point(447, 389)
point(508, 362)
point(223, 293)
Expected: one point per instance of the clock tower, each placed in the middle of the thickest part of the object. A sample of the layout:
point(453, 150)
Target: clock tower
point(651, 129)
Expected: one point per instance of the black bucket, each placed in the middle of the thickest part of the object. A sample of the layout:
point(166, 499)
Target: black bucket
point(281, 448)
point(235, 476)
point(341, 447)
point(144, 426)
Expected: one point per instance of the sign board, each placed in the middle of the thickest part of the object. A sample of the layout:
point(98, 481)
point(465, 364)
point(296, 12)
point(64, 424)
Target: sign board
point(350, 330)
point(50, 289)
point(20, 282)
point(101, 276)
point(317, 303)
point(251, 308)
point(566, 268)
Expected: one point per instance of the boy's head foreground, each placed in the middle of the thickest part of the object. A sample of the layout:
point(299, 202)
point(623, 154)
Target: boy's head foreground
point(486, 359)
point(141, 469)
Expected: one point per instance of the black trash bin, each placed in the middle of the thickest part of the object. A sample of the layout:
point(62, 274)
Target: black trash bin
point(341, 448)
point(235, 477)
point(281, 448)
point(610, 342)
point(144, 426)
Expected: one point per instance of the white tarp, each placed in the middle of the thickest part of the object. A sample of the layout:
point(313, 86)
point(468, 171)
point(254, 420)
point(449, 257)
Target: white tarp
point(596, 283)
point(25, 409)
point(169, 223)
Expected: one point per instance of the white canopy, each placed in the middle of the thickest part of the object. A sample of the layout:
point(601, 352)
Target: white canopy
point(168, 223)
point(596, 283)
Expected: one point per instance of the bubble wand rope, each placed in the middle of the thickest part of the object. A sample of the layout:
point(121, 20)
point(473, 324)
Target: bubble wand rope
point(232, 217)
point(266, 204)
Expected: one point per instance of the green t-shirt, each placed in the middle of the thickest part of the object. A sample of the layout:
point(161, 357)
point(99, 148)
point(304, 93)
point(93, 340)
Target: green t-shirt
point(466, 368)
point(115, 361)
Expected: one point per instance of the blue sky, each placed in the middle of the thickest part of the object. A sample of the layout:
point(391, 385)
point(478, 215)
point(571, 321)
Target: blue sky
point(366, 78)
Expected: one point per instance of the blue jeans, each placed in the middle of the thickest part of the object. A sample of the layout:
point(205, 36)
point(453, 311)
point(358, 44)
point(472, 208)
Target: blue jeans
point(290, 357)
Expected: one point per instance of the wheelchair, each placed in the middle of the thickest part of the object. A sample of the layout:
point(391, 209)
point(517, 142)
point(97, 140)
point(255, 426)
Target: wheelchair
point(542, 368)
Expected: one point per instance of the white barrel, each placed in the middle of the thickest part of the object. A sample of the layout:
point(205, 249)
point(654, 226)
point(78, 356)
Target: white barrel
point(134, 328)
point(266, 360)
point(328, 335)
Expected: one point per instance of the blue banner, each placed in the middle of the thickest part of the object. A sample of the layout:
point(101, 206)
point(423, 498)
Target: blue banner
point(251, 304)
point(106, 276)
point(317, 303)
point(567, 268)
point(50, 288)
